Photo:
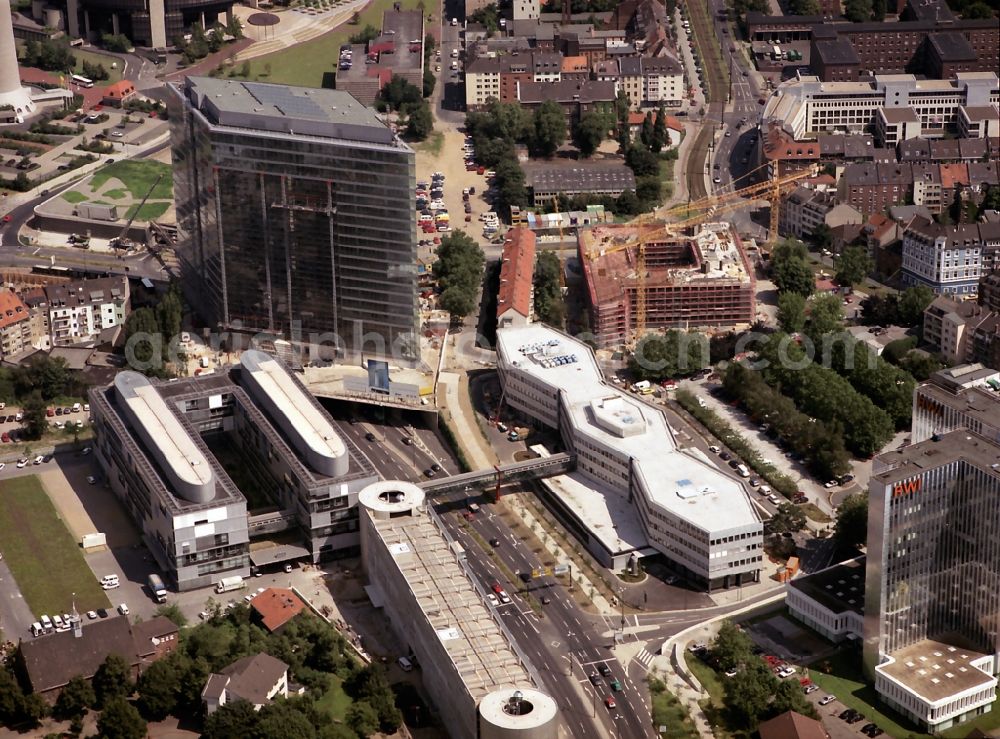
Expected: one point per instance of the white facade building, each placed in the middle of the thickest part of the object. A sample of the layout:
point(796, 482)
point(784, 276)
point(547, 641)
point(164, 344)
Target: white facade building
point(947, 259)
point(79, 311)
point(698, 517)
point(806, 105)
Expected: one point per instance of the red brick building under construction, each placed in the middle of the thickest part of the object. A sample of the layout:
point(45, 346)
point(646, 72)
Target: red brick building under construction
point(699, 281)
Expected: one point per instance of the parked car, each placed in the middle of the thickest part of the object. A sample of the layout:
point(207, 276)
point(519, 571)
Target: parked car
point(826, 700)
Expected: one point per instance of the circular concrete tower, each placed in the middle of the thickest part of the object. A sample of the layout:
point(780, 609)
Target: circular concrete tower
point(521, 713)
point(11, 92)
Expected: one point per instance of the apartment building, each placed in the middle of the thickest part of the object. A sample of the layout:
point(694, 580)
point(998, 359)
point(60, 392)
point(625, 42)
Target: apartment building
point(962, 397)
point(80, 311)
point(295, 217)
point(575, 98)
point(38, 317)
point(690, 281)
point(171, 451)
point(872, 188)
point(949, 325)
point(439, 611)
point(515, 296)
point(979, 122)
point(932, 605)
point(15, 324)
point(525, 9)
point(807, 105)
point(989, 290)
point(948, 259)
point(699, 518)
point(630, 80)
point(662, 82)
point(805, 208)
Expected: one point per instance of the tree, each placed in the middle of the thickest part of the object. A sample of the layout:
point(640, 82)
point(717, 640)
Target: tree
point(362, 718)
point(157, 689)
point(169, 313)
point(858, 11)
point(34, 422)
point(853, 266)
point(142, 322)
point(366, 34)
point(794, 275)
point(673, 354)
point(647, 190)
point(878, 10)
point(420, 122)
point(788, 696)
point(234, 720)
point(75, 699)
point(549, 128)
point(791, 312)
point(788, 519)
point(174, 613)
point(641, 161)
point(488, 17)
point(510, 184)
point(912, 303)
point(826, 314)
point(747, 694)
point(646, 133)
point(459, 270)
point(430, 82)
point(977, 10)
point(589, 132)
point(234, 27)
point(120, 720)
point(851, 529)
point(920, 365)
point(112, 679)
point(732, 647)
point(660, 138)
point(549, 306)
point(400, 94)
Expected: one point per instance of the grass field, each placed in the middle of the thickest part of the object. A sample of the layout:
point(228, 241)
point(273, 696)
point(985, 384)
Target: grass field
point(42, 555)
point(307, 63)
point(149, 211)
point(668, 711)
point(116, 194)
point(72, 196)
point(335, 701)
point(114, 75)
point(138, 176)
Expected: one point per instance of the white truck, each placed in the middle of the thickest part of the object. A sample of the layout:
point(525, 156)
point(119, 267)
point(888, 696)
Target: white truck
point(157, 588)
point(230, 583)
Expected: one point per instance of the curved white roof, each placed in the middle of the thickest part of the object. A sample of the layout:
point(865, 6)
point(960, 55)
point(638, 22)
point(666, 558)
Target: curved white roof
point(165, 438)
point(309, 429)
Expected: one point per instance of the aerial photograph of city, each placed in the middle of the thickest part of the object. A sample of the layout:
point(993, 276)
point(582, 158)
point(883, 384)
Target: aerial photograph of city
point(499, 369)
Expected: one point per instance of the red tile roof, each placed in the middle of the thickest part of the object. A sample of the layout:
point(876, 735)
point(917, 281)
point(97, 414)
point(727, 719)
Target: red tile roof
point(276, 607)
point(12, 309)
point(636, 118)
point(517, 271)
point(953, 175)
point(119, 90)
point(792, 725)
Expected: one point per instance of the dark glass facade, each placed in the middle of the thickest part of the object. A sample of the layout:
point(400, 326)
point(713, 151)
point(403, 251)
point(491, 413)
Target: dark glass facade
point(306, 237)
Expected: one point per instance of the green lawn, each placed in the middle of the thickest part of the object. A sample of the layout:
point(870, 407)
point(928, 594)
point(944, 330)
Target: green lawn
point(847, 683)
point(116, 194)
point(43, 557)
point(138, 176)
point(306, 63)
point(668, 711)
point(433, 144)
point(148, 212)
point(335, 701)
point(708, 677)
point(72, 196)
point(114, 75)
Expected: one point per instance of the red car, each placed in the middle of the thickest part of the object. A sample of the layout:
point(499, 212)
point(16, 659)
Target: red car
point(610, 703)
point(50, 412)
point(496, 588)
point(481, 170)
point(7, 218)
point(5, 437)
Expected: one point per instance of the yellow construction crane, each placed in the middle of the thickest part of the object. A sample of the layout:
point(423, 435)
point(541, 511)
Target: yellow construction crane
point(706, 209)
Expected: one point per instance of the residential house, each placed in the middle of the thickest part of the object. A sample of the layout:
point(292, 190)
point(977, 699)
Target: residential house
point(119, 93)
point(989, 291)
point(575, 98)
point(482, 81)
point(546, 67)
point(662, 82)
point(155, 638)
point(927, 189)
point(38, 316)
point(15, 324)
point(575, 68)
point(630, 79)
point(81, 311)
point(258, 679)
point(948, 259)
point(275, 607)
point(948, 326)
point(526, 9)
point(517, 270)
point(805, 208)
point(871, 188)
point(792, 725)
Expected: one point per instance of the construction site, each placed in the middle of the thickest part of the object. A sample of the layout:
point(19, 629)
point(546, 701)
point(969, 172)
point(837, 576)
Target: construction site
point(703, 280)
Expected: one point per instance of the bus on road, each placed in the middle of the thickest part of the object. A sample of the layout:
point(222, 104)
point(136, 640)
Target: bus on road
point(79, 79)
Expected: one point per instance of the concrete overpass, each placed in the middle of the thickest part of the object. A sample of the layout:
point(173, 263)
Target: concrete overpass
point(530, 469)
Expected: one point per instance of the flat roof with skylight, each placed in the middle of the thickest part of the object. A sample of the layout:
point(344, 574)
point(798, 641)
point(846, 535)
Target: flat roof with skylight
point(937, 670)
point(689, 487)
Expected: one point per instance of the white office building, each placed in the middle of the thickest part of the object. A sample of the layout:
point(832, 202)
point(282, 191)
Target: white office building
point(962, 397)
point(806, 105)
point(696, 516)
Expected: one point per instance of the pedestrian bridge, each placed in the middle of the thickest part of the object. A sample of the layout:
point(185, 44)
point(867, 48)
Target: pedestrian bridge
point(530, 469)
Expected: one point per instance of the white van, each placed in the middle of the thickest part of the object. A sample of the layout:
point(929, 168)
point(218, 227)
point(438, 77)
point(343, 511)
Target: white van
point(743, 471)
point(109, 581)
point(37, 629)
point(46, 622)
point(404, 664)
point(57, 621)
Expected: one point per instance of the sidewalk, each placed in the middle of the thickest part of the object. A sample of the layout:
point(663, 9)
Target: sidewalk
point(687, 59)
point(300, 27)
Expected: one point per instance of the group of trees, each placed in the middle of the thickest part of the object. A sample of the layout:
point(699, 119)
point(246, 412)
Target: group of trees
point(203, 43)
point(95, 72)
point(118, 42)
point(459, 272)
point(430, 79)
point(406, 98)
point(853, 266)
point(495, 133)
point(820, 445)
point(973, 8)
point(160, 327)
point(823, 394)
point(549, 305)
point(34, 385)
point(886, 385)
point(48, 54)
point(673, 354)
point(754, 694)
point(488, 17)
point(905, 309)
point(851, 529)
point(902, 353)
point(591, 130)
point(790, 268)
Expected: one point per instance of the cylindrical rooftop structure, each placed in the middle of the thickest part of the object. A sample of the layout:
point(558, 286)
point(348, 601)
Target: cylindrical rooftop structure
point(518, 713)
point(391, 498)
